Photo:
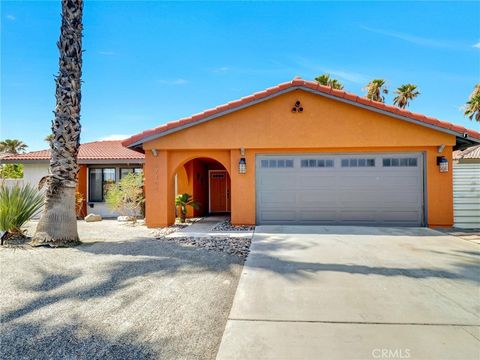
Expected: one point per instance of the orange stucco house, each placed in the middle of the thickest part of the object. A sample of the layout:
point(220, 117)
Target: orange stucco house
point(302, 153)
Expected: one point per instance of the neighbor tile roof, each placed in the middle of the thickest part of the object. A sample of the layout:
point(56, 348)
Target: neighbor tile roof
point(97, 150)
point(292, 85)
point(473, 152)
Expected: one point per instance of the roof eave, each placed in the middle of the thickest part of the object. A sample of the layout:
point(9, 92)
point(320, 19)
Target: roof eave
point(80, 162)
point(463, 136)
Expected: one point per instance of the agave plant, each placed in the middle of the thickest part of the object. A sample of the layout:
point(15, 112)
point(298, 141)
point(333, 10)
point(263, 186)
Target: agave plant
point(184, 200)
point(18, 204)
point(405, 94)
point(375, 89)
point(472, 107)
point(326, 80)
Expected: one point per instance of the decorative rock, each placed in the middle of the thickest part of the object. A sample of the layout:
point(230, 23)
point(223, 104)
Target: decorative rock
point(92, 218)
point(126, 218)
point(238, 246)
point(227, 226)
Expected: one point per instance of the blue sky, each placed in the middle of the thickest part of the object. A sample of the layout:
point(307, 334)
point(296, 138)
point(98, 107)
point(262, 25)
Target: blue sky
point(147, 63)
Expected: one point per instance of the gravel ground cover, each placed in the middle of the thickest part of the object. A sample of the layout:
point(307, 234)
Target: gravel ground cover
point(227, 226)
point(239, 246)
point(121, 295)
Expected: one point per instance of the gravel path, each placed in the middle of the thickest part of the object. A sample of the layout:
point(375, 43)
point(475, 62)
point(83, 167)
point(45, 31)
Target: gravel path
point(121, 295)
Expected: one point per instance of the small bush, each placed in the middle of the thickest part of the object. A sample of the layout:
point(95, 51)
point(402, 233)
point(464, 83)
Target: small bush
point(18, 204)
point(11, 171)
point(126, 196)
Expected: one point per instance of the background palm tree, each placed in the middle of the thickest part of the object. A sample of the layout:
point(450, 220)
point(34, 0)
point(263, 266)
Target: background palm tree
point(472, 107)
point(12, 146)
point(326, 80)
point(58, 223)
point(375, 89)
point(405, 94)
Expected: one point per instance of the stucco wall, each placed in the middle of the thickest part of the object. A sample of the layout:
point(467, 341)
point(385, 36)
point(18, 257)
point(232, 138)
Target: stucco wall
point(270, 127)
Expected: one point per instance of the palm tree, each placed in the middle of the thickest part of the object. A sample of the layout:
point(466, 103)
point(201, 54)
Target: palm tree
point(12, 146)
point(472, 107)
point(182, 201)
point(405, 94)
point(58, 223)
point(375, 89)
point(326, 80)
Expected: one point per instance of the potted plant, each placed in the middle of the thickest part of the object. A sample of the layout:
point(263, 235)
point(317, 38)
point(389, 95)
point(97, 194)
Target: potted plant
point(182, 201)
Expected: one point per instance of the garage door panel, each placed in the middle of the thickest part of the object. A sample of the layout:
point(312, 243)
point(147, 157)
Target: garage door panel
point(324, 189)
point(350, 216)
point(279, 216)
point(400, 216)
point(278, 197)
point(316, 217)
point(317, 181)
point(317, 197)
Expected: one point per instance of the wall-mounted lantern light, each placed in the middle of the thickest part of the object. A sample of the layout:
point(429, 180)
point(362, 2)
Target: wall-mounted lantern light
point(442, 163)
point(242, 164)
point(441, 148)
point(154, 152)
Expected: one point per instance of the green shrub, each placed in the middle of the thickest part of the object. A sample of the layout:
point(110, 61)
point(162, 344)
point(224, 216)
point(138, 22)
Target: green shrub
point(126, 196)
point(11, 171)
point(18, 204)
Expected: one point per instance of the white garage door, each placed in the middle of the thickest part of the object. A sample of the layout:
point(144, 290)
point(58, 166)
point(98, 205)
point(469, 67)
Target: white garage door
point(341, 189)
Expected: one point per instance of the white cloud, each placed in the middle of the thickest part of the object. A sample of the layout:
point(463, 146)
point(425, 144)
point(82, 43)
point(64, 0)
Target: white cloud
point(11, 17)
point(106, 53)
point(477, 45)
point(417, 40)
point(222, 69)
point(348, 75)
point(114, 137)
point(173, 82)
point(341, 73)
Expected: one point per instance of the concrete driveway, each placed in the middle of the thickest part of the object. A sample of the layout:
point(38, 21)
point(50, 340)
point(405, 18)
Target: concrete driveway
point(316, 292)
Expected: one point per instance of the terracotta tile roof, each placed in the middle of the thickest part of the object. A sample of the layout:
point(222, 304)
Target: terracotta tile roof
point(97, 150)
point(296, 83)
point(473, 152)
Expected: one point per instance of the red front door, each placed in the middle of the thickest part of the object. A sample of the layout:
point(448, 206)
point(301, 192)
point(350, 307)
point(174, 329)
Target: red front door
point(219, 191)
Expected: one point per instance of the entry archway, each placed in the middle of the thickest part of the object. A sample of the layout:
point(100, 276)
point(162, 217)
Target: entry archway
point(208, 181)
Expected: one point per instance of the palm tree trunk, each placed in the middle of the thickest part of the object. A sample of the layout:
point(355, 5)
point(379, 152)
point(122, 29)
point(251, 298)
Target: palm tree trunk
point(58, 223)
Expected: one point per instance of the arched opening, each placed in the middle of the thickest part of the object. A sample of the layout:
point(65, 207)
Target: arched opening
point(208, 182)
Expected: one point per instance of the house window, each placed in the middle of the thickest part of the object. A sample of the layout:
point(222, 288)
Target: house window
point(358, 162)
point(98, 182)
point(316, 163)
point(125, 171)
point(400, 162)
point(277, 164)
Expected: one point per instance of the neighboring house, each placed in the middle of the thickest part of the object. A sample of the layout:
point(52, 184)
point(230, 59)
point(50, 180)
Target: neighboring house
point(303, 153)
point(101, 163)
point(466, 187)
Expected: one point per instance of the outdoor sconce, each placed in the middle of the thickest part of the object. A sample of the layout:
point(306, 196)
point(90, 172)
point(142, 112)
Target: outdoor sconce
point(242, 164)
point(154, 152)
point(442, 163)
point(298, 107)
